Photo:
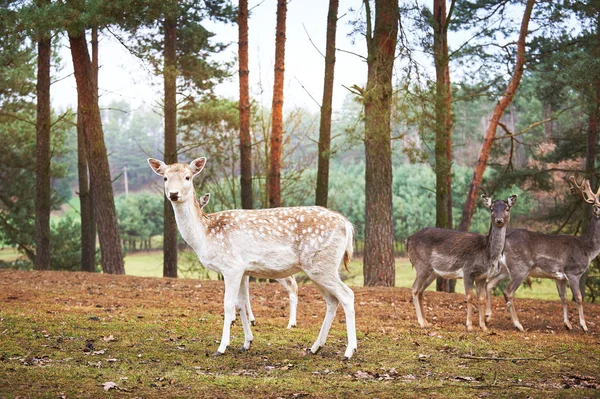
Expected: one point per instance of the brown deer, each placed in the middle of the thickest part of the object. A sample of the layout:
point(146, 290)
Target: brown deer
point(563, 258)
point(268, 243)
point(452, 254)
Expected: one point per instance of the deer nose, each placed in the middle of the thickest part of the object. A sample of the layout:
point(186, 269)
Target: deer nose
point(499, 221)
point(173, 195)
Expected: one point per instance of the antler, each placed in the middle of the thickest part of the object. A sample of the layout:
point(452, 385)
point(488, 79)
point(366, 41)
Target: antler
point(588, 194)
point(578, 189)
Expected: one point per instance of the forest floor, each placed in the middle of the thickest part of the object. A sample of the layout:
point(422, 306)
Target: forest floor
point(78, 335)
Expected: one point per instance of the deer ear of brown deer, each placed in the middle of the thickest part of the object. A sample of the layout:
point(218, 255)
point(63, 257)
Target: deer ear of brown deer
point(512, 200)
point(157, 166)
point(487, 201)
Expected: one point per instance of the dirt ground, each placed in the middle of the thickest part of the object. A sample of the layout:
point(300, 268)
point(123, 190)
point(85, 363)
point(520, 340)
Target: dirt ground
point(69, 334)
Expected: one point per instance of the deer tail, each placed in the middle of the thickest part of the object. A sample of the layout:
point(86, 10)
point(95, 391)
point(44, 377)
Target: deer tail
point(349, 244)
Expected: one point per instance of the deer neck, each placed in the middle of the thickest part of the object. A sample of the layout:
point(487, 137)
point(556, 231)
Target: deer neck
point(495, 243)
point(591, 237)
point(191, 222)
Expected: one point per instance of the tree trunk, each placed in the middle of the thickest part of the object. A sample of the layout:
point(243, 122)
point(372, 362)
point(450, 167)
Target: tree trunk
point(325, 127)
point(245, 139)
point(505, 100)
point(379, 229)
point(42, 154)
point(274, 176)
point(170, 87)
point(104, 205)
point(88, 220)
point(443, 126)
point(591, 154)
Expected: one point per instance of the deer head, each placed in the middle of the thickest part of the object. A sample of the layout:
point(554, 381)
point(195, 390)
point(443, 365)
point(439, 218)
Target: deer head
point(584, 190)
point(500, 209)
point(178, 178)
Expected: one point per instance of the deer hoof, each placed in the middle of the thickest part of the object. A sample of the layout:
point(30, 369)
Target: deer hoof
point(568, 326)
point(252, 323)
point(291, 326)
point(584, 327)
point(470, 328)
point(488, 318)
point(217, 354)
point(311, 352)
point(519, 327)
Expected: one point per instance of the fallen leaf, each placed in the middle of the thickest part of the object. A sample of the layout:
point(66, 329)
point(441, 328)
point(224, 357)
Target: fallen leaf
point(110, 385)
point(108, 338)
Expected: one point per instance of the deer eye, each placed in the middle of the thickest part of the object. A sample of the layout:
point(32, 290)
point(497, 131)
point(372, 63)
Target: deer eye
point(187, 178)
point(165, 179)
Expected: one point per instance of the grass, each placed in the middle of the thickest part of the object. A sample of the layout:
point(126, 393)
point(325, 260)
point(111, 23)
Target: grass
point(153, 338)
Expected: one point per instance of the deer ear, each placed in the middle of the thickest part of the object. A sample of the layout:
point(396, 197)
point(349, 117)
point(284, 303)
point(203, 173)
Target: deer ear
point(487, 201)
point(204, 200)
point(159, 167)
point(512, 200)
point(197, 165)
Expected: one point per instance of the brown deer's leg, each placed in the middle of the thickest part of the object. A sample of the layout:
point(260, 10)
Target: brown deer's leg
point(488, 294)
point(480, 289)
point(561, 286)
point(420, 284)
point(509, 294)
point(469, 292)
point(574, 282)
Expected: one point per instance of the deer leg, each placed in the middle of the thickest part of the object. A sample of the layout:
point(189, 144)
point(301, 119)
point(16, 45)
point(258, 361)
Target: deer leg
point(509, 294)
point(480, 286)
point(574, 283)
point(289, 283)
point(345, 296)
point(232, 291)
point(242, 302)
point(248, 307)
point(561, 286)
point(420, 284)
point(469, 293)
point(488, 294)
point(332, 305)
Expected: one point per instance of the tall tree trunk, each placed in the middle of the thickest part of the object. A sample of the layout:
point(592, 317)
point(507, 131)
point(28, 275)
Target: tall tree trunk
point(379, 229)
point(274, 176)
point(484, 154)
point(245, 140)
point(170, 86)
point(88, 220)
point(325, 127)
point(42, 154)
point(443, 126)
point(591, 154)
point(104, 205)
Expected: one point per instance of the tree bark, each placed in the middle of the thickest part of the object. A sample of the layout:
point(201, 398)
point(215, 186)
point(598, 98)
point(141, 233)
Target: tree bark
point(505, 100)
point(170, 87)
point(325, 126)
point(274, 176)
point(443, 126)
point(379, 230)
point(42, 154)
point(104, 205)
point(88, 220)
point(245, 139)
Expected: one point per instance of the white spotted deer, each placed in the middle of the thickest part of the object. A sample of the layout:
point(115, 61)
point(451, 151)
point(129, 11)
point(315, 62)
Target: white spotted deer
point(452, 254)
point(269, 243)
point(563, 258)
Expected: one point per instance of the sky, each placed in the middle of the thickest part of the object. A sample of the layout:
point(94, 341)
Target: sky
point(122, 76)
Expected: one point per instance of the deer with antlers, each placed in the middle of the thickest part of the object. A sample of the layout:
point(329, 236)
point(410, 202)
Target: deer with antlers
point(452, 254)
point(563, 258)
point(268, 243)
